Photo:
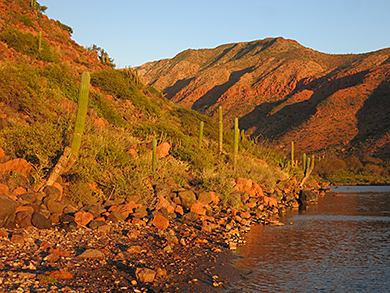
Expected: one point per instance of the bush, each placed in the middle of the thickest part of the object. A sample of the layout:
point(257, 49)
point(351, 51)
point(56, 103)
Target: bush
point(119, 85)
point(28, 44)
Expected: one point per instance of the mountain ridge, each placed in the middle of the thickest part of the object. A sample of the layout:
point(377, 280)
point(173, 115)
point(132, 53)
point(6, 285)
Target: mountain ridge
point(284, 91)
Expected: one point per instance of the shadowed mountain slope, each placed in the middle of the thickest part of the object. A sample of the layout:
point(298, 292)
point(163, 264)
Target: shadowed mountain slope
point(286, 92)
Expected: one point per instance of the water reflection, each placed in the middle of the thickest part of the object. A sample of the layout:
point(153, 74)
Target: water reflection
point(341, 245)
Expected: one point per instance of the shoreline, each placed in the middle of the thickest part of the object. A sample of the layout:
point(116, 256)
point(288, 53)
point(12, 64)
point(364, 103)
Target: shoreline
point(181, 243)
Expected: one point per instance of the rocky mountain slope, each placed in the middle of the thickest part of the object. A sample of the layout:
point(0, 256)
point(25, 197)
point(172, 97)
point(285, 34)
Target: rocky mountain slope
point(286, 92)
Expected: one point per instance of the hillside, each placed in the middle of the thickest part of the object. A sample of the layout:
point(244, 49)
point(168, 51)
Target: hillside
point(327, 104)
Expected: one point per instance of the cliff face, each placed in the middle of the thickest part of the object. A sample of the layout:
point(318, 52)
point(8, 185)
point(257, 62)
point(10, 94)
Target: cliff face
point(284, 91)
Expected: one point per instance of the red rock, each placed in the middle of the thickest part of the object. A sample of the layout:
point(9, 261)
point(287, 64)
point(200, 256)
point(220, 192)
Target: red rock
point(92, 254)
point(163, 150)
point(61, 274)
point(248, 186)
point(45, 245)
point(52, 258)
point(133, 152)
point(24, 209)
point(134, 249)
point(99, 122)
point(160, 222)
point(163, 203)
point(59, 251)
point(215, 197)
point(17, 239)
point(2, 153)
point(145, 275)
point(245, 215)
point(18, 165)
point(4, 189)
point(198, 207)
point(83, 218)
point(138, 222)
point(251, 205)
point(20, 190)
point(124, 209)
point(270, 201)
point(179, 210)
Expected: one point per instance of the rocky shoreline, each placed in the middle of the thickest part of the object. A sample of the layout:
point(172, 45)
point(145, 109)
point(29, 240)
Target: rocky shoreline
point(181, 242)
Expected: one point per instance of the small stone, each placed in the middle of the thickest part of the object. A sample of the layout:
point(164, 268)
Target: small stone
point(160, 222)
point(52, 258)
point(92, 254)
point(145, 275)
point(83, 218)
point(135, 249)
point(61, 275)
point(17, 239)
point(133, 234)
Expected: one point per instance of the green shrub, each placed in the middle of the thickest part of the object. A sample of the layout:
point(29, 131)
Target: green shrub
point(28, 44)
point(119, 85)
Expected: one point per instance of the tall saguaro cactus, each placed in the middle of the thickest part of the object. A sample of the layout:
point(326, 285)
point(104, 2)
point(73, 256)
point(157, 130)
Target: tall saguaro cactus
point(220, 129)
point(235, 141)
point(201, 126)
point(70, 155)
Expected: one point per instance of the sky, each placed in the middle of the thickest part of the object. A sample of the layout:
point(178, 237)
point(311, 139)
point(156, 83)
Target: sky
point(137, 32)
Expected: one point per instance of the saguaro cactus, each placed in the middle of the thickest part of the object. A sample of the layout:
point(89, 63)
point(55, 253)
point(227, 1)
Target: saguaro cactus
point(308, 170)
point(201, 126)
point(220, 129)
point(292, 154)
point(70, 155)
point(235, 141)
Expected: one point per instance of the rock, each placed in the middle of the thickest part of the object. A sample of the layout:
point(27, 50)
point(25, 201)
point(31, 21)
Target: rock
point(135, 249)
point(215, 197)
point(160, 273)
point(116, 217)
point(7, 210)
point(29, 197)
point(270, 201)
point(190, 217)
point(83, 218)
point(179, 210)
point(160, 222)
point(54, 206)
point(93, 208)
point(163, 150)
point(51, 257)
point(92, 254)
point(248, 186)
point(17, 239)
point(124, 209)
point(104, 228)
point(163, 203)
point(187, 198)
point(95, 224)
point(198, 208)
point(308, 197)
point(245, 215)
point(145, 275)
point(4, 189)
point(205, 197)
point(52, 192)
point(23, 219)
point(61, 274)
point(40, 221)
point(19, 165)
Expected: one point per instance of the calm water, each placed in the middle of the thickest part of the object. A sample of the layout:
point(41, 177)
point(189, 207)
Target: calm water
point(340, 245)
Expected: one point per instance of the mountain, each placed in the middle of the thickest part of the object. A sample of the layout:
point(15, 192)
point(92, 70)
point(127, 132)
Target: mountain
point(285, 92)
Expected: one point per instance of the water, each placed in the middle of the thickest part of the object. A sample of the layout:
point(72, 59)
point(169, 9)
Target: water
point(340, 245)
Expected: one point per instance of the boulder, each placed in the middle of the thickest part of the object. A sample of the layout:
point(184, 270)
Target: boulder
point(308, 197)
point(40, 221)
point(198, 208)
point(249, 186)
point(92, 254)
point(205, 197)
point(187, 198)
point(19, 165)
point(23, 219)
point(7, 210)
point(83, 218)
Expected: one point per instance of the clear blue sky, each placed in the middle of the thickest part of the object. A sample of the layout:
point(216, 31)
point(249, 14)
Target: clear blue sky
point(136, 32)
